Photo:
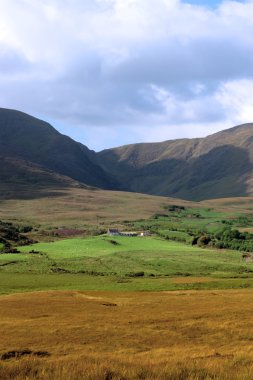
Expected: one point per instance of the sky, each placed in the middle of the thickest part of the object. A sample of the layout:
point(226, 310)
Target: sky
point(114, 72)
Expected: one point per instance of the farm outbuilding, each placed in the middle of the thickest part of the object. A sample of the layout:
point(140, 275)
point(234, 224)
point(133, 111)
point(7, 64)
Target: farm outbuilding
point(145, 233)
point(113, 232)
point(129, 234)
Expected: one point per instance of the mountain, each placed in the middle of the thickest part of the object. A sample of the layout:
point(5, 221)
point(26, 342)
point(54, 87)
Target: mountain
point(36, 160)
point(21, 179)
point(220, 165)
point(33, 153)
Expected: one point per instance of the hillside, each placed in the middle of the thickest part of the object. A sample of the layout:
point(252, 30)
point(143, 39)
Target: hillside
point(34, 153)
point(220, 165)
point(21, 179)
point(36, 160)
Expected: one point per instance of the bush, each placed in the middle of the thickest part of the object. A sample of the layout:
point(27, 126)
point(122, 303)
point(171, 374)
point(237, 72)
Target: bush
point(136, 274)
point(204, 240)
point(114, 242)
point(25, 229)
point(174, 208)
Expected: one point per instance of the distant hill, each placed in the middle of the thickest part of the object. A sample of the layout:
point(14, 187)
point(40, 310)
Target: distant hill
point(25, 180)
point(33, 153)
point(36, 160)
point(220, 165)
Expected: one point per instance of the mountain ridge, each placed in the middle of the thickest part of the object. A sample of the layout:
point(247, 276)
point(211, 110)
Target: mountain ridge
point(219, 165)
point(33, 153)
point(28, 139)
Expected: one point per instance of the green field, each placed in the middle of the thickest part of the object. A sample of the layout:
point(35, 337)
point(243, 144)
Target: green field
point(121, 263)
point(189, 219)
point(129, 255)
point(167, 260)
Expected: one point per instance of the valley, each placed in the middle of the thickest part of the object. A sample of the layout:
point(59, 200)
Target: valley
point(192, 245)
point(173, 300)
point(126, 190)
point(80, 304)
point(35, 155)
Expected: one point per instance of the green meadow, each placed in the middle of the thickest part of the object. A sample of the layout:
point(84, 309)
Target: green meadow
point(166, 260)
point(122, 263)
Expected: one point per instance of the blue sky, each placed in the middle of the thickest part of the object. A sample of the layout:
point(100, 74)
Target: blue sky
point(208, 3)
point(113, 72)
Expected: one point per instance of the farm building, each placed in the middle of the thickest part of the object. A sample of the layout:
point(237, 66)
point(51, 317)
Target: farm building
point(116, 232)
point(145, 233)
point(113, 232)
point(131, 234)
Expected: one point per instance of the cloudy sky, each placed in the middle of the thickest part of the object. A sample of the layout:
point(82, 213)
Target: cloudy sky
point(112, 72)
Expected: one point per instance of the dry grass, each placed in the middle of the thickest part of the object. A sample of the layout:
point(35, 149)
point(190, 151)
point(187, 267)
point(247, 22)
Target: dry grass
point(239, 204)
point(105, 336)
point(192, 280)
point(77, 207)
point(246, 229)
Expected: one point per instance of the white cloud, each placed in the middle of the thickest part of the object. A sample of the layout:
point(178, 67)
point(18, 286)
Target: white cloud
point(135, 69)
point(236, 98)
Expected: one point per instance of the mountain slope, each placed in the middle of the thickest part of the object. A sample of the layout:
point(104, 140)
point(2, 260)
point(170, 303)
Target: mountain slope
point(220, 165)
point(35, 160)
point(27, 139)
point(25, 180)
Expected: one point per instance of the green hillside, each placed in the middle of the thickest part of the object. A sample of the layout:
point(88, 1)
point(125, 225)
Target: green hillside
point(129, 256)
point(99, 263)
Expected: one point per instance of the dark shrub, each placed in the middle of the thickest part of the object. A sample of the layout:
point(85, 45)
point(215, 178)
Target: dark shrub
point(204, 240)
point(136, 274)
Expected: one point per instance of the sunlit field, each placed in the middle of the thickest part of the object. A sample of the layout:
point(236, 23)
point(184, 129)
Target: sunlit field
point(122, 264)
point(103, 335)
point(122, 308)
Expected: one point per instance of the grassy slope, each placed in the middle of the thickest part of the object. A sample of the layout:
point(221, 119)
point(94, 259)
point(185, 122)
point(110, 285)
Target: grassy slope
point(97, 264)
point(151, 255)
point(190, 219)
point(82, 207)
point(75, 207)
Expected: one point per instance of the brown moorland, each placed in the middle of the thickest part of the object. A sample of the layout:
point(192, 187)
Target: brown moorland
point(102, 335)
point(80, 207)
point(236, 204)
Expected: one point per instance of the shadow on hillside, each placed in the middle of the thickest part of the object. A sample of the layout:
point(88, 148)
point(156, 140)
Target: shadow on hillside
point(27, 193)
point(219, 173)
point(22, 180)
point(216, 174)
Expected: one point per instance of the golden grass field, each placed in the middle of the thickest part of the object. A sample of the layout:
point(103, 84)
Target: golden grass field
point(106, 336)
point(239, 204)
point(73, 206)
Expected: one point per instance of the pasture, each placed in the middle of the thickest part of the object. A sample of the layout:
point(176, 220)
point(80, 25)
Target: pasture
point(121, 264)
